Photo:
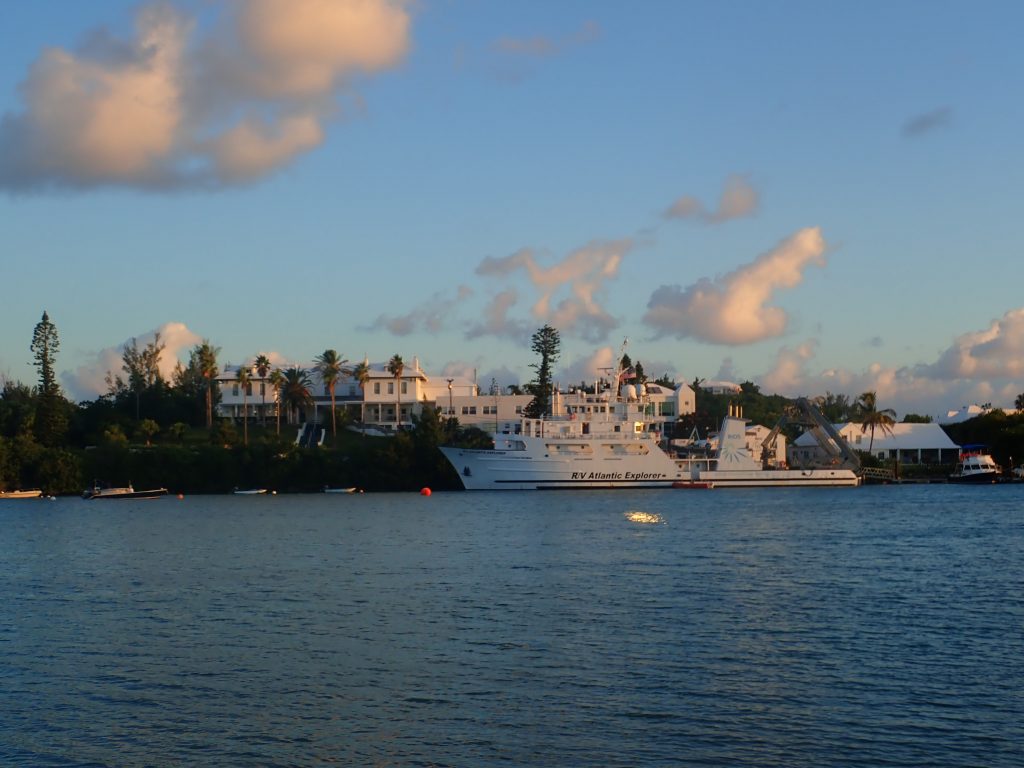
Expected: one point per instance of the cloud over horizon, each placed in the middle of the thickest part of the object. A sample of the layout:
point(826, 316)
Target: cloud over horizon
point(186, 106)
point(978, 367)
point(734, 309)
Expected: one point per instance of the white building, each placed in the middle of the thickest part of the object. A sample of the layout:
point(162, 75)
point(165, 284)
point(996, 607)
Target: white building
point(390, 403)
point(910, 443)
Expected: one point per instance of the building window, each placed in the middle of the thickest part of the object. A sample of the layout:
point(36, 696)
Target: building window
point(263, 388)
point(391, 387)
point(248, 390)
point(234, 390)
point(519, 409)
point(405, 387)
point(376, 387)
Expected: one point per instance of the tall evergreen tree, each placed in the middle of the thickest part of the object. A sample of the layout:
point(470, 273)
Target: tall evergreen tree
point(51, 413)
point(546, 343)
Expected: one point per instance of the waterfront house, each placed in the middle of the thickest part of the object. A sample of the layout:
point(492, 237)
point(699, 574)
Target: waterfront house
point(909, 443)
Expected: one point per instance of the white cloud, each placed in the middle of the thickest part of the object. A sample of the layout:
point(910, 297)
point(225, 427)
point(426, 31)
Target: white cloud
point(570, 292)
point(734, 309)
point(979, 367)
point(183, 104)
point(996, 352)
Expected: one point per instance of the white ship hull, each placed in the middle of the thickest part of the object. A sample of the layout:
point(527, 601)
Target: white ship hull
point(536, 464)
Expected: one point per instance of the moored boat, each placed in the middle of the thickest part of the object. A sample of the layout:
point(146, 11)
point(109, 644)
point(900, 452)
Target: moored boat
point(250, 491)
point(26, 494)
point(975, 465)
point(122, 492)
point(328, 489)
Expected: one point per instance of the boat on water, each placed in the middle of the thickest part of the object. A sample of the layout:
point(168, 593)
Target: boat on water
point(328, 489)
point(975, 465)
point(27, 494)
point(250, 491)
point(122, 492)
point(600, 441)
point(589, 441)
point(734, 465)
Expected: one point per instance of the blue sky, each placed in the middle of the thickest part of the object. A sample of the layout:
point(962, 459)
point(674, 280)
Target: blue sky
point(812, 196)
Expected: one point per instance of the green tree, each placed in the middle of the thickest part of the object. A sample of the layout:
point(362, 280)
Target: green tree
point(361, 373)
point(546, 343)
point(262, 366)
point(1019, 402)
point(142, 367)
point(396, 367)
point(330, 365)
point(871, 418)
point(244, 378)
point(835, 408)
point(148, 429)
point(277, 381)
point(202, 369)
point(178, 430)
point(51, 419)
point(296, 390)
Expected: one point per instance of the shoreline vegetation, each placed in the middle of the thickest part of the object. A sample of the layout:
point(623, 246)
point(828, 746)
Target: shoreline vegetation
point(152, 432)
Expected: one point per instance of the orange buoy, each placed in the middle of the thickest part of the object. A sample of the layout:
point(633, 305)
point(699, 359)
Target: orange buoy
point(424, 491)
point(181, 496)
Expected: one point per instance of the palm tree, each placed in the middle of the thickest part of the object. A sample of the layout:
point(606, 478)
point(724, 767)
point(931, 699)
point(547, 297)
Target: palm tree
point(277, 382)
point(262, 366)
point(396, 367)
point(361, 373)
point(244, 378)
point(296, 389)
point(206, 355)
point(871, 418)
point(331, 366)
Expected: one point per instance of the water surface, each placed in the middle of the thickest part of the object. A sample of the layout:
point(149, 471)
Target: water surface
point(855, 627)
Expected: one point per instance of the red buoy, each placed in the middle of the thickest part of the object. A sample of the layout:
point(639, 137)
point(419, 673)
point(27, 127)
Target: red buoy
point(424, 491)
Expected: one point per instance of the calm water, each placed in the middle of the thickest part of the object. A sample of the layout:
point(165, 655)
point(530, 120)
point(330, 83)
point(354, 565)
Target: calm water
point(860, 627)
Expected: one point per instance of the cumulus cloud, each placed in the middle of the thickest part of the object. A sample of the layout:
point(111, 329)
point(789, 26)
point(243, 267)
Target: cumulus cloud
point(735, 309)
point(996, 352)
point(189, 105)
point(738, 200)
point(89, 380)
point(570, 292)
point(978, 367)
point(927, 122)
point(430, 316)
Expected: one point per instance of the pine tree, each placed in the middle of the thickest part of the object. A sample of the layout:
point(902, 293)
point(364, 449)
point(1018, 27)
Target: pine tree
point(546, 343)
point(51, 412)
